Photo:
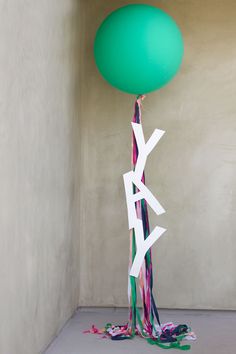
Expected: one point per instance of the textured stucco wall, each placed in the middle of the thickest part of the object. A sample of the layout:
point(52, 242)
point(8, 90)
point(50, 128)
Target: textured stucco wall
point(192, 171)
point(39, 137)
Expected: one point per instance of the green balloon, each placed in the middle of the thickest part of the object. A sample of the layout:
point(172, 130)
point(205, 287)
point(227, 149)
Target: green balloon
point(138, 48)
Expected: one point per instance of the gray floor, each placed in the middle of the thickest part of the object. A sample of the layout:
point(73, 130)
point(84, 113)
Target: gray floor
point(216, 331)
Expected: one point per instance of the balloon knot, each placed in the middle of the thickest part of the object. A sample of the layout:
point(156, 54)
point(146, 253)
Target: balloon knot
point(140, 98)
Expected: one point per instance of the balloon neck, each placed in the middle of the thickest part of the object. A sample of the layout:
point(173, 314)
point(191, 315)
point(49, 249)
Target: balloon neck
point(140, 97)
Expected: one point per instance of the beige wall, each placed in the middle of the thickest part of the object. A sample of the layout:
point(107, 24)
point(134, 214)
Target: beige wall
point(61, 172)
point(192, 171)
point(39, 139)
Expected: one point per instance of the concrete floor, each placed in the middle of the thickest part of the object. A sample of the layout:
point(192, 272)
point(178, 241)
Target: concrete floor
point(215, 331)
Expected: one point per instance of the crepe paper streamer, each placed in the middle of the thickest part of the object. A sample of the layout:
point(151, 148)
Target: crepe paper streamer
point(172, 345)
point(138, 198)
point(135, 179)
point(166, 337)
point(94, 330)
point(146, 324)
point(140, 232)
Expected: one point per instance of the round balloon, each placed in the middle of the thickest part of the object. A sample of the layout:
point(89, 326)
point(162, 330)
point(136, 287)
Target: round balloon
point(138, 48)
